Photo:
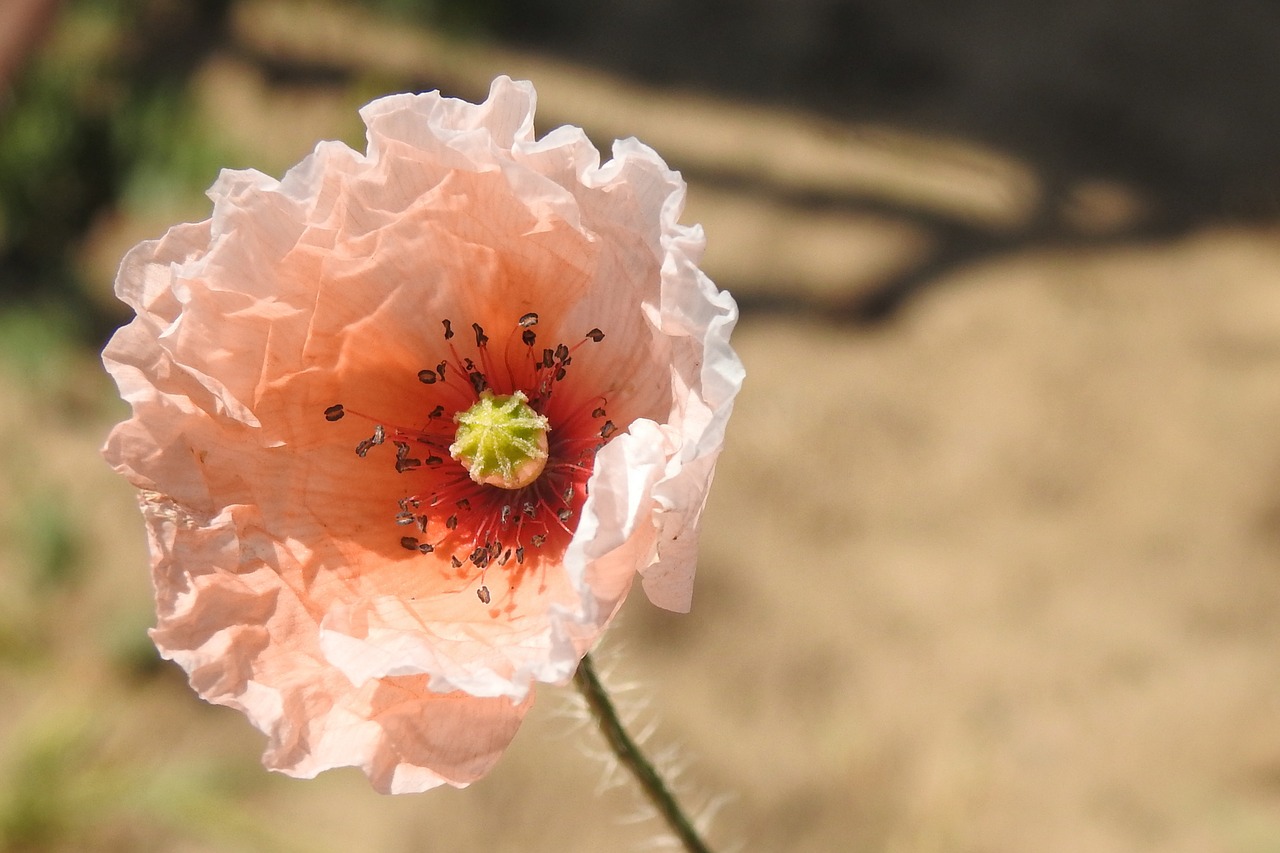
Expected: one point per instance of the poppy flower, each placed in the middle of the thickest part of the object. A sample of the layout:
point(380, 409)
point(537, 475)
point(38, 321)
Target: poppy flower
point(407, 424)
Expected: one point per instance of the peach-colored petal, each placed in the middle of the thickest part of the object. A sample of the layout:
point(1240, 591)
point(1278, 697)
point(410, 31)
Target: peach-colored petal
point(378, 608)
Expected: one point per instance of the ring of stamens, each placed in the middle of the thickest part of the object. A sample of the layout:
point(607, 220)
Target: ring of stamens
point(517, 484)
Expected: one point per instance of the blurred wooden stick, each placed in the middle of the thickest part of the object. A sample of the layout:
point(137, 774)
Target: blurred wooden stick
point(23, 25)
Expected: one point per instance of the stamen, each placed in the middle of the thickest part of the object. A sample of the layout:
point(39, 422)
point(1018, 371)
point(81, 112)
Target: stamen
point(478, 527)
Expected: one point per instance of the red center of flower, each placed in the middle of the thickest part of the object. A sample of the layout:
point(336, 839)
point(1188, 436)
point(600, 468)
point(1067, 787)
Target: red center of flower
point(480, 525)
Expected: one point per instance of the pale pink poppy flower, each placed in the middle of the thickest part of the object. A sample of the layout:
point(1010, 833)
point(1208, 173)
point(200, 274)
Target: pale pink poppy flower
point(302, 369)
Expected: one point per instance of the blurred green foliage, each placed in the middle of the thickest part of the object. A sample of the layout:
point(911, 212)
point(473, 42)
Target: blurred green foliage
point(99, 118)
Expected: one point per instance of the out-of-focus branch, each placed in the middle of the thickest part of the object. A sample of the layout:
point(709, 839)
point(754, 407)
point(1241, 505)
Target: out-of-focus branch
point(23, 25)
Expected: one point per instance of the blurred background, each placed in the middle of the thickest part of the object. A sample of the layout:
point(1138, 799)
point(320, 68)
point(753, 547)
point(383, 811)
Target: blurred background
point(993, 562)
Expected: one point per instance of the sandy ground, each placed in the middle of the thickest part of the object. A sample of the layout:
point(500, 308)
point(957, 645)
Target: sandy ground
point(998, 573)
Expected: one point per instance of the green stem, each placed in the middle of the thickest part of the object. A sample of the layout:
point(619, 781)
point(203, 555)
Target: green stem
point(588, 684)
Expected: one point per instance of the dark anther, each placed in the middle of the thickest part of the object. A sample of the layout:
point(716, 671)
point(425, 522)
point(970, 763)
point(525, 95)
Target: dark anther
point(422, 522)
point(440, 369)
point(457, 564)
point(483, 594)
point(538, 539)
point(608, 429)
point(520, 555)
point(403, 460)
point(480, 557)
point(528, 337)
point(451, 522)
point(481, 337)
point(409, 543)
point(426, 548)
point(564, 515)
point(597, 412)
point(562, 353)
point(427, 377)
point(478, 382)
point(568, 495)
point(464, 503)
point(596, 335)
point(548, 358)
point(334, 412)
point(363, 448)
point(405, 517)
point(505, 515)
point(434, 460)
point(530, 319)
point(448, 329)
point(437, 412)
point(468, 365)
point(561, 373)
point(379, 434)
point(530, 510)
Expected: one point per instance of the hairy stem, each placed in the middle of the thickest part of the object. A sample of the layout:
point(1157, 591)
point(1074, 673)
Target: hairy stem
point(588, 684)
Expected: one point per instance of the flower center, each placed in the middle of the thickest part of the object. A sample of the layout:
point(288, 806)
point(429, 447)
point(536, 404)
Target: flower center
point(501, 441)
point(525, 484)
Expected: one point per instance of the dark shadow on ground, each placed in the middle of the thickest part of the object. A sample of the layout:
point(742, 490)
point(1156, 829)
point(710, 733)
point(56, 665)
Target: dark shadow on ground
point(1176, 97)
